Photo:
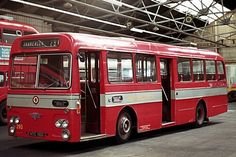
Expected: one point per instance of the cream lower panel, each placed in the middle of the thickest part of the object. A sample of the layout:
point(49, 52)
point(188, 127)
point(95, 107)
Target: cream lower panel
point(45, 101)
point(127, 98)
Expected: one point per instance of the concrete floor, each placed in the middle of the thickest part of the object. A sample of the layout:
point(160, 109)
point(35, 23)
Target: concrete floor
point(216, 139)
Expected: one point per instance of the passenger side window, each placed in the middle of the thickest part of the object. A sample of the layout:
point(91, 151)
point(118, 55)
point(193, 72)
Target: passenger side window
point(198, 70)
point(184, 69)
point(210, 70)
point(146, 68)
point(1, 79)
point(220, 70)
point(119, 67)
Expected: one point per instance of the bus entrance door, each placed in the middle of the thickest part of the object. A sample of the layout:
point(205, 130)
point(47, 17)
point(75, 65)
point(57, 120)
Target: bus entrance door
point(90, 92)
point(165, 64)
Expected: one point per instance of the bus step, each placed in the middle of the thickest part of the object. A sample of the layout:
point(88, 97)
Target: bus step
point(89, 136)
point(167, 124)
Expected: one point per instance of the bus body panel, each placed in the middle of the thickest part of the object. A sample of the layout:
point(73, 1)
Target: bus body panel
point(145, 122)
point(43, 128)
point(40, 118)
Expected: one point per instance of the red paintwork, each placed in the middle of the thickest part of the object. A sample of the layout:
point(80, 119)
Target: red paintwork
point(14, 25)
point(149, 116)
point(46, 124)
point(17, 26)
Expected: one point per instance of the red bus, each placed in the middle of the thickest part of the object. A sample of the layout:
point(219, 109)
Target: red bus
point(9, 31)
point(77, 87)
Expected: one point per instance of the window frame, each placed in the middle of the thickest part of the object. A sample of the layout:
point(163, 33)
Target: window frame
point(136, 68)
point(224, 73)
point(215, 75)
point(132, 66)
point(37, 87)
point(204, 69)
point(190, 70)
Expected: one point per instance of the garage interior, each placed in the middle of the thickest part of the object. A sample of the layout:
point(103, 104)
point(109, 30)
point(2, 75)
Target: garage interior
point(179, 22)
point(204, 24)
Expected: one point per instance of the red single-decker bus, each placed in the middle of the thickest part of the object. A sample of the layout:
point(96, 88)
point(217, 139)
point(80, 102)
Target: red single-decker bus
point(77, 87)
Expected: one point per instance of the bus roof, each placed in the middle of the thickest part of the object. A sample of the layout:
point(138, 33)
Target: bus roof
point(95, 42)
point(17, 25)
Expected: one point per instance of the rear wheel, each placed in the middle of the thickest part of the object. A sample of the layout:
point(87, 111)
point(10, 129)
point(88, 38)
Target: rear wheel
point(123, 127)
point(3, 113)
point(200, 115)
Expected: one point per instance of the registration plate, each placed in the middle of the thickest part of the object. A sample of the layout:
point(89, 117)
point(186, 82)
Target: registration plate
point(37, 134)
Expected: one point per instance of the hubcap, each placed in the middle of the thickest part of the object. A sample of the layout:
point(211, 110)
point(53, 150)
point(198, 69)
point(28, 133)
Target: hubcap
point(125, 125)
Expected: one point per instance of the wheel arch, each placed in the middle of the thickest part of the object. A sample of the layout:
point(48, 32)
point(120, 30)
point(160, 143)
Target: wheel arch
point(203, 102)
point(133, 115)
point(3, 111)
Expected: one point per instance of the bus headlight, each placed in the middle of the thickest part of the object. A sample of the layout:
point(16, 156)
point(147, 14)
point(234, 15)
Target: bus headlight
point(62, 123)
point(65, 135)
point(58, 123)
point(12, 120)
point(65, 124)
point(17, 120)
point(12, 130)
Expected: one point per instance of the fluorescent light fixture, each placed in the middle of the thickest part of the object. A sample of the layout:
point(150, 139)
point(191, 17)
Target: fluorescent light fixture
point(114, 2)
point(68, 13)
point(6, 17)
point(136, 30)
point(193, 44)
point(159, 1)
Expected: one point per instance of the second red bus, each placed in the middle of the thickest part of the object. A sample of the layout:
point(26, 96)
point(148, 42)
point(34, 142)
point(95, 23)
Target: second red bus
point(9, 31)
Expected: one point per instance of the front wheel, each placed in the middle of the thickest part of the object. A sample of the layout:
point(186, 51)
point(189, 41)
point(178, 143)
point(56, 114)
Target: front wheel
point(200, 115)
point(3, 113)
point(123, 127)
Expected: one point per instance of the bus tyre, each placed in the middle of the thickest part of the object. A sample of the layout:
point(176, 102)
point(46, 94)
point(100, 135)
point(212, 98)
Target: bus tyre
point(3, 113)
point(123, 127)
point(200, 115)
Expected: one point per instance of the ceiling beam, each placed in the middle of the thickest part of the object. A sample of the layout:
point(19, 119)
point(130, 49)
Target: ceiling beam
point(72, 25)
point(92, 19)
point(143, 21)
point(119, 25)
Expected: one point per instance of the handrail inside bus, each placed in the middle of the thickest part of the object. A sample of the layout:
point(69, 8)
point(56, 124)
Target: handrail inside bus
point(164, 93)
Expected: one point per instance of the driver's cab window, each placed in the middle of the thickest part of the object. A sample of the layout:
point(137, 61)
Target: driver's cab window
point(54, 70)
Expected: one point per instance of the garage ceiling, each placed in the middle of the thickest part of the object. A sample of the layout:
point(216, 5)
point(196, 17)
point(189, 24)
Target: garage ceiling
point(151, 20)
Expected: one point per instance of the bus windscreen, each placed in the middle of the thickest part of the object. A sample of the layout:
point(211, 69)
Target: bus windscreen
point(41, 71)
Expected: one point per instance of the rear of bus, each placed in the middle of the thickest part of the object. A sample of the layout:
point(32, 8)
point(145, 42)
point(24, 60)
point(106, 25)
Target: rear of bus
point(41, 101)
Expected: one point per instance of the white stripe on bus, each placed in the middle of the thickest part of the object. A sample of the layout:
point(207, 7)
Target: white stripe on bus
point(45, 101)
point(153, 96)
point(180, 94)
point(128, 98)
point(112, 99)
